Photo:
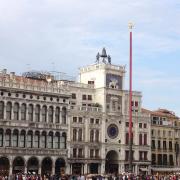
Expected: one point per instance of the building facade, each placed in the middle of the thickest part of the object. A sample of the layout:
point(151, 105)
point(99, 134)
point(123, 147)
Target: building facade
point(165, 139)
point(51, 126)
point(33, 125)
point(99, 141)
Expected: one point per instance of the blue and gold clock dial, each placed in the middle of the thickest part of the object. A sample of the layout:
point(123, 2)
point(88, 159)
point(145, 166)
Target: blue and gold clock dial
point(112, 131)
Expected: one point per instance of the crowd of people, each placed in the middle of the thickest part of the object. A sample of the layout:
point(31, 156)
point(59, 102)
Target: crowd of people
point(123, 176)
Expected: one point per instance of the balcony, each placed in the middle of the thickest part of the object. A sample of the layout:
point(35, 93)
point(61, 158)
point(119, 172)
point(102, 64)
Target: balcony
point(86, 109)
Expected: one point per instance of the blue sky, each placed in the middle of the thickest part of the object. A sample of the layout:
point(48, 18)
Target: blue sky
point(64, 35)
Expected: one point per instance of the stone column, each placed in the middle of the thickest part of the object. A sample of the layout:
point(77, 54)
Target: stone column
point(85, 168)
point(103, 167)
point(53, 168)
point(68, 169)
point(4, 110)
point(10, 167)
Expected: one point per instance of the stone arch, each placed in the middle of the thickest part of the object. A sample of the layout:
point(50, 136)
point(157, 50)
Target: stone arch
point(4, 166)
point(33, 165)
point(112, 159)
point(18, 165)
point(60, 166)
point(46, 166)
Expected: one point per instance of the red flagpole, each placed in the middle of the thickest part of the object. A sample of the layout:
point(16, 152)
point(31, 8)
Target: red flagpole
point(130, 101)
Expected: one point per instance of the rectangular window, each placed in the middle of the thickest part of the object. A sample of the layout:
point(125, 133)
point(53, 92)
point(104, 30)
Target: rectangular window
point(140, 155)
point(90, 82)
point(153, 144)
point(80, 154)
point(159, 144)
point(92, 120)
point(73, 96)
point(145, 139)
point(164, 145)
point(80, 119)
point(97, 153)
point(127, 138)
point(74, 152)
point(74, 119)
point(136, 103)
point(126, 155)
point(145, 125)
point(97, 121)
point(140, 125)
point(91, 153)
point(90, 97)
point(145, 155)
point(127, 124)
point(83, 97)
point(170, 145)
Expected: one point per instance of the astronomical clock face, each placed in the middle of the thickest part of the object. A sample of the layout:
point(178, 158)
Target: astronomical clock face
point(114, 81)
point(112, 131)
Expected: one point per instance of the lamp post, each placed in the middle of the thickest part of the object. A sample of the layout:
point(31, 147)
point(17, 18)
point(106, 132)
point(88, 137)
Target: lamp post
point(130, 25)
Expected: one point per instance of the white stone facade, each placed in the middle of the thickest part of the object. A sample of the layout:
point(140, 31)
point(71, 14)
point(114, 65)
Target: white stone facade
point(74, 127)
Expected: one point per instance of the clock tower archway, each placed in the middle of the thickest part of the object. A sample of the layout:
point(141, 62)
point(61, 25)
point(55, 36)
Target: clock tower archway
point(112, 162)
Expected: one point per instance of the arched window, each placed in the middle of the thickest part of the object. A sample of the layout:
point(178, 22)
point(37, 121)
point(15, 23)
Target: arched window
point(30, 112)
point(97, 136)
point(8, 138)
point(36, 139)
point(57, 140)
point(91, 136)
point(140, 139)
point(80, 135)
point(64, 115)
point(63, 141)
point(16, 111)
point(22, 138)
point(1, 137)
point(1, 110)
point(50, 114)
point(30, 139)
point(8, 110)
point(50, 140)
point(37, 113)
point(57, 114)
point(43, 140)
point(44, 114)
point(15, 138)
point(23, 112)
point(74, 134)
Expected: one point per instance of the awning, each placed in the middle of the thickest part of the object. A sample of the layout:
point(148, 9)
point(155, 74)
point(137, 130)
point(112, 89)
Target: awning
point(143, 169)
